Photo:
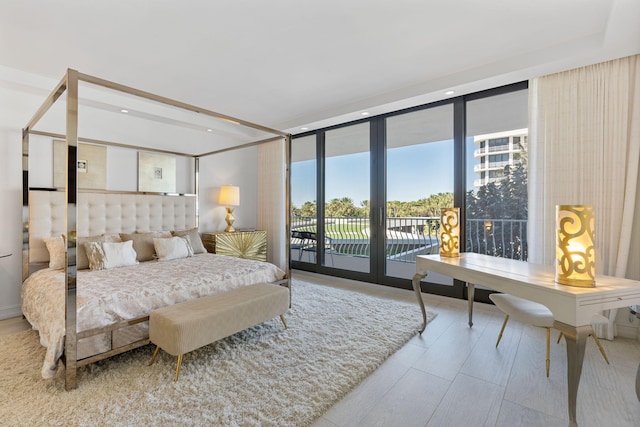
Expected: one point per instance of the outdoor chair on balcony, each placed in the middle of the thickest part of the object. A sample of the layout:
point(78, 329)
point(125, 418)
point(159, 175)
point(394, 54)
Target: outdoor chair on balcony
point(298, 241)
point(311, 246)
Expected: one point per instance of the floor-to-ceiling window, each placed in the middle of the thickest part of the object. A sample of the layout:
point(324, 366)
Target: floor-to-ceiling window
point(382, 181)
point(496, 184)
point(347, 188)
point(303, 207)
point(419, 183)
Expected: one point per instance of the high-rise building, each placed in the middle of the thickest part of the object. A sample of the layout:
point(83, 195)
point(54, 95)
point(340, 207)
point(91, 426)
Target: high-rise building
point(495, 151)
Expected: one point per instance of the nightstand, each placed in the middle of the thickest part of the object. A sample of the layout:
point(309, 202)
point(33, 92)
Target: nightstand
point(241, 244)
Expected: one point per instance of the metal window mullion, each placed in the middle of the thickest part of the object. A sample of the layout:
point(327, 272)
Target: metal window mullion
point(320, 189)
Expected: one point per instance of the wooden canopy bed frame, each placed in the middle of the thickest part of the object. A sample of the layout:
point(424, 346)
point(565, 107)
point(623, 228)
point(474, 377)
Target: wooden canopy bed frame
point(181, 209)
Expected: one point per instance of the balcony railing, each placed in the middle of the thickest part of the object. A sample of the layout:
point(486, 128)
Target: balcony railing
point(407, 237)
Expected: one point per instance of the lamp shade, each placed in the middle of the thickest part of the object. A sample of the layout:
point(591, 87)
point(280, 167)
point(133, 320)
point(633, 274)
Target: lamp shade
point(450, 232)
point(229, 195)
point(575, 249)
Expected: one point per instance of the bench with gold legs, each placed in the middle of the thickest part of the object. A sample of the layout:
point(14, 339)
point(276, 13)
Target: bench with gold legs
point(184, 327)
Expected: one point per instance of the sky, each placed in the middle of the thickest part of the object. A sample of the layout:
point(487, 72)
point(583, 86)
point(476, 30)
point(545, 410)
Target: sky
point(413, 172)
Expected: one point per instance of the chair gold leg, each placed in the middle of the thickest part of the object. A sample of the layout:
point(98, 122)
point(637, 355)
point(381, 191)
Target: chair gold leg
point(178, 367)
point(283, 322)
point(548, 350)
point(559, 338)
point(595, 338)
point(155, 354)
point(506, 319)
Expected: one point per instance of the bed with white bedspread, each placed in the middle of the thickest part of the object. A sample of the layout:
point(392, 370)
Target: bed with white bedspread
point(80, 206)
point(113, 301)
point(106, 297)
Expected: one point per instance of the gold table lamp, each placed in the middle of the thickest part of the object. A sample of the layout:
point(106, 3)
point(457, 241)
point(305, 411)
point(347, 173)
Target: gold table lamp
point(230, 198)
point(450, 232)
point(575, 248)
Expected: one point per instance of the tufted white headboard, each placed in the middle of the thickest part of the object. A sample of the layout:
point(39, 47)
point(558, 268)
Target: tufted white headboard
point(105, 213)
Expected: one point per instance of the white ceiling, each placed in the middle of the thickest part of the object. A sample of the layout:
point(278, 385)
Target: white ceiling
point(287, 64)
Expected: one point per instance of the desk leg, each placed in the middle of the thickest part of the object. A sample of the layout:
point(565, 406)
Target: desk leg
point(471, 292)
point(576, 339)
point(416, 287)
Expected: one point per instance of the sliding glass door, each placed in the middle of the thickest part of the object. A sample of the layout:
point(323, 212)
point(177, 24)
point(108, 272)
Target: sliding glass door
point(496, 184)
point(347, 190)
point(367, 195)
point(419, 174)
point(303, 207)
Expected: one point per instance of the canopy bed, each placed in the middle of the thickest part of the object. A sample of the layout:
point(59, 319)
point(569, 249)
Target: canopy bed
point(98, 262)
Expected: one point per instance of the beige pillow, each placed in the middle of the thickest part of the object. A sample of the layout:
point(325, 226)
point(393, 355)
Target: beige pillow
point(194, 238)
point(173, 248)
point(57, 251)
point(82, 262)
point(143, 243)
point(105, 255)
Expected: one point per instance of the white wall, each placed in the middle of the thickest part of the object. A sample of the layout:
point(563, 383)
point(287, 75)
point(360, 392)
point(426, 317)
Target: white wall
point(10, 221)
point(21, 95)
point(122, 167)
point(237, 167)
point(19, 100)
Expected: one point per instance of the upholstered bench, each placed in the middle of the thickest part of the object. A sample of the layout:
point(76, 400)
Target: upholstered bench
point(184, 327)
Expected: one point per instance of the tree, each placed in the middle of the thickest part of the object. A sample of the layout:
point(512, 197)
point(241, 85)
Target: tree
point(342, 207)
point(429, 207)
point(307, 209)
point(506, 199)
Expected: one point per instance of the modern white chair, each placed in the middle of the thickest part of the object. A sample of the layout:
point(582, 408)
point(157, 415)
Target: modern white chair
point(524, 311)
point(535, 314)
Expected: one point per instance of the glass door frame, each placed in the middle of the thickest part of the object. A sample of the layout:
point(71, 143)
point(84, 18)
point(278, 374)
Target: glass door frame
point(377, 214)
point(457, 289)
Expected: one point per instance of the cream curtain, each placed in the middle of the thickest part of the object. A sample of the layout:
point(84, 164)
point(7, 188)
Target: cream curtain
point(584, 148)
point(272, 200)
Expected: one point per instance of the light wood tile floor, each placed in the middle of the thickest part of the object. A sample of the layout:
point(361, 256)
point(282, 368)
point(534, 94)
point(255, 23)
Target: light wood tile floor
point(453, 375)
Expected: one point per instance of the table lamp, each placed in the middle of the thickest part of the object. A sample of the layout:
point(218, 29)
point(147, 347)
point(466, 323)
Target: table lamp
point(230, 198)
point(575, 249)
point(450, 232)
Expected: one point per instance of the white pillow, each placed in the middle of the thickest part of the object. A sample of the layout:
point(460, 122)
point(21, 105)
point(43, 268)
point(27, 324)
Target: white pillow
point(105, 255)
point(194, 239)
point(173, 248)
point(82, 262)
point(57, 251)
point(119, 254)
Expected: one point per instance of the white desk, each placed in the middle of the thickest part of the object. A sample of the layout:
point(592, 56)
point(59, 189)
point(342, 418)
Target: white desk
point(572, 307)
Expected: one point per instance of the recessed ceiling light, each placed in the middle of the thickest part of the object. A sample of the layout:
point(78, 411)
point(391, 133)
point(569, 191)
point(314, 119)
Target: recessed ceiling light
point(365, 113)
point(124, 111)
point(304, 128)
point(449, 92)
point(209, 130)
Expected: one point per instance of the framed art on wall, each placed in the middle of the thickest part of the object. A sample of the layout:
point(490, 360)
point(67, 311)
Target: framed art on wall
point(156, 173)
point(91, 165)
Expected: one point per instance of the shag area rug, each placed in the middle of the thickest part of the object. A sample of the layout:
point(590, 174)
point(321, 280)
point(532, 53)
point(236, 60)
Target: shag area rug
point(265, 375)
